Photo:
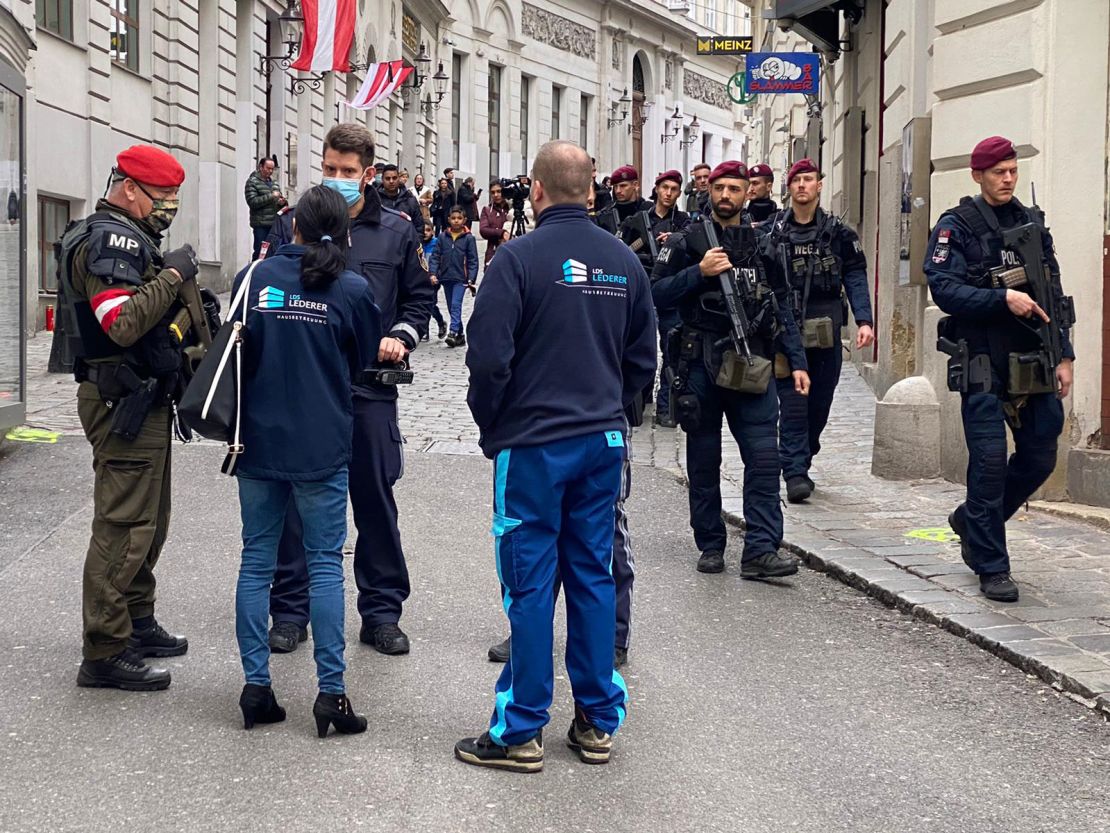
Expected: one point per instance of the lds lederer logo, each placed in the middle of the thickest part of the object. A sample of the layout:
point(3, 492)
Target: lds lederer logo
point(574, 271)
point(271, 297)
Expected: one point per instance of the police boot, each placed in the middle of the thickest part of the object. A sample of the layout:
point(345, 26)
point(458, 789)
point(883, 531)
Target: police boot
point(998, 587)
point(769, 565)
point(153, 641)
point(798, 488)
point(500, 651)
point(957, 525)
point(711, 561)
point(126, 671)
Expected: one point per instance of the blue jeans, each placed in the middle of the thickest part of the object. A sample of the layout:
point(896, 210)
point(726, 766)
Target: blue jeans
point(454, 292)
point(322, 505)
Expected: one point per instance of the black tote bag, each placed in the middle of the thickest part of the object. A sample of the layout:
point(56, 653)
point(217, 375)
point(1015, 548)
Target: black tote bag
point(212, 402)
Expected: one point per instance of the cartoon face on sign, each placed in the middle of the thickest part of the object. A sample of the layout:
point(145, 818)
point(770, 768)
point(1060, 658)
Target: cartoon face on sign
point(776, 69)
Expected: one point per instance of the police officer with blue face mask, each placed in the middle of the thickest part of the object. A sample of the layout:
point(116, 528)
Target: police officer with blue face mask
point(386, 251)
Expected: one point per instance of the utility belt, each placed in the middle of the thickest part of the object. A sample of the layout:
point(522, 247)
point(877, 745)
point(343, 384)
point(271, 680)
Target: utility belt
point(687, 345)
point(130, 397)
point(1027, 372)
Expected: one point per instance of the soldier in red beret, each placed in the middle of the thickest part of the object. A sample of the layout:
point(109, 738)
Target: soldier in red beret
point(720, 365)
point(992, 267)
point(625, 182)
point(123, 294)
point(760, 205)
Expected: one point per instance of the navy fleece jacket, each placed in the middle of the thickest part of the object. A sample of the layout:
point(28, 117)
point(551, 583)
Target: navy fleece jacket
point(562, 336)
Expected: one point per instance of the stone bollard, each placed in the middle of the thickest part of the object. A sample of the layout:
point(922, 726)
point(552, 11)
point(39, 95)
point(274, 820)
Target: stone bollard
point(907, 432)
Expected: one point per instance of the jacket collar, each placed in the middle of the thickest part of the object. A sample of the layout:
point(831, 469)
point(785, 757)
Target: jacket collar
point(371, 207)
point(562, 213)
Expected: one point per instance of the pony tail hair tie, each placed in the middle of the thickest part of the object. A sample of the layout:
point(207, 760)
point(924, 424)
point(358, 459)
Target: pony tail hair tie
point(326, 238)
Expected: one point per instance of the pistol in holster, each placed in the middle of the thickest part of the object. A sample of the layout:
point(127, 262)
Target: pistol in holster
point(133, 398)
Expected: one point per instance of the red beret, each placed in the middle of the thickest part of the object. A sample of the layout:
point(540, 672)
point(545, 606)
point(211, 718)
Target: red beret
point(150, 166)
point(761, 170)
point(625, 173)
point(990, 152)
point(671, 174)
point(802, 166)
point(733, 169)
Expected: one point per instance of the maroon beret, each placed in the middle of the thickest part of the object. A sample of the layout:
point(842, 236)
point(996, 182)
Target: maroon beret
point(802, 166)
point(990, 152)
point(672, 174)
point(761, 170)
point(150, 166)
point(732, 169)
point(625, 173)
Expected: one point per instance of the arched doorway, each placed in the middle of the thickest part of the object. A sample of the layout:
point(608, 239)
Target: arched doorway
point(636, 125)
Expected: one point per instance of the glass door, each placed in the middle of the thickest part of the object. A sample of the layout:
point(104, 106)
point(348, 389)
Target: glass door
point(12, 259)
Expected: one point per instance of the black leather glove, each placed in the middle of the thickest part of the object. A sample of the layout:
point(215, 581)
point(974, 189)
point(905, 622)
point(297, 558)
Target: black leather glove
point(184, 260)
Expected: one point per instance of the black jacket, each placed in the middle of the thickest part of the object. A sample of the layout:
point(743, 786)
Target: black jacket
point(407, 204)
point(386, 251)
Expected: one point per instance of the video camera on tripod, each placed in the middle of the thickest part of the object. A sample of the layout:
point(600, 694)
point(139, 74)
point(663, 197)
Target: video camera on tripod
point(515, 191)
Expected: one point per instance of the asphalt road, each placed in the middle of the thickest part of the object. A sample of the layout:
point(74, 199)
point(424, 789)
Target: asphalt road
point(755, 707)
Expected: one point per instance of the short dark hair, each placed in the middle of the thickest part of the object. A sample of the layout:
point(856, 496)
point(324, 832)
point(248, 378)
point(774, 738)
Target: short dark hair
point(457, 209)
point(701, 165)
point(448, 171)
point(496, 181)
point(266, 159)
point(348, 137)
point(390, 167)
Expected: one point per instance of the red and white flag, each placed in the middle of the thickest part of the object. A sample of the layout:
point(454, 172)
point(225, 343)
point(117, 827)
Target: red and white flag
point(381, 82)
point(329, 29)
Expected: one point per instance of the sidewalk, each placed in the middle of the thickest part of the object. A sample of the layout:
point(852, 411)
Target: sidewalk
point(891, 539)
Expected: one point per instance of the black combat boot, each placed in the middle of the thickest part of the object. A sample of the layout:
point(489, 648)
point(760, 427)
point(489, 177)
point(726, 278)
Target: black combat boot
point(442, 330)
point(500, 651)
point(769, 565)
point(482, 751)
point(998, 587)
point(126, 671)
point(286, 636)
point(711, 561)
point(153, 641)
point(956, 523)
point(386, 639)
point(798, 488)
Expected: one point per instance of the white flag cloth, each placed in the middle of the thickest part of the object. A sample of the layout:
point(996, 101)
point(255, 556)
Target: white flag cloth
point(381, 82)
point(329, 29)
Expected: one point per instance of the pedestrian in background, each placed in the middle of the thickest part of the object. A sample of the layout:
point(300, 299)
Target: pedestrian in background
point(492, 223)
point(558, 444)
point(467, 199)
point(321, 343)
point(396, 196)
point(454, 263)
point(442, 202)
point(264, 199)
point(429, 247)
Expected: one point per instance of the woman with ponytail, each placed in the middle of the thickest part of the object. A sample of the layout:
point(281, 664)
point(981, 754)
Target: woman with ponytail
point(311, 327)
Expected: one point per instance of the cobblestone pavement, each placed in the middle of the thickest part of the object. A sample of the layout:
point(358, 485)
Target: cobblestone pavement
point(886, 537)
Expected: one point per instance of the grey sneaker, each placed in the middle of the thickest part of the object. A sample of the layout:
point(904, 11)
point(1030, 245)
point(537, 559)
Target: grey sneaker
point(592, 745)
point(769, 565)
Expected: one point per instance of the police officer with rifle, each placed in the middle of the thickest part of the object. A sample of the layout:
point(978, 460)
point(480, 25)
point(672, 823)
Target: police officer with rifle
point(626, 200)
point(826, 269)
point(733, 305)
point(124, 296)
point(991, 266)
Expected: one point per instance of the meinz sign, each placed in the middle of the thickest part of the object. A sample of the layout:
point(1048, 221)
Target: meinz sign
point(778, 73)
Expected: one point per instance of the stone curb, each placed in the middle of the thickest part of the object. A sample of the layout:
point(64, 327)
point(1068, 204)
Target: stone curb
point(906, 583)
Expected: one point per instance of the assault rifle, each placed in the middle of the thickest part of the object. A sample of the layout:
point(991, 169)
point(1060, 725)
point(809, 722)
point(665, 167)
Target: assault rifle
point(640, 225)
point(1027, 243)
point(733, 295)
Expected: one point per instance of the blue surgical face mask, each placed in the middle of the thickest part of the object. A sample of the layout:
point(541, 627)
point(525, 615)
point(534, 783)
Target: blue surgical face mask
point(349, 189)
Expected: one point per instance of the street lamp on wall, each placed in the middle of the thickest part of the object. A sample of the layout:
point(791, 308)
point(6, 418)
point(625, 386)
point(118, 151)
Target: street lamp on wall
point(291, 29)
point(644, 115)
point(693, 130)
point(674, 123)
point(622, 105)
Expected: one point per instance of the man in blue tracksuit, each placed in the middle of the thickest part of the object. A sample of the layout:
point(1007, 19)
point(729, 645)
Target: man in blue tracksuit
point(386, 251)
point(454, 263)
point(567, 294)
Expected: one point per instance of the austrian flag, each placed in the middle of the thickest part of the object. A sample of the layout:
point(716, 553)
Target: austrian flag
point(329, 29)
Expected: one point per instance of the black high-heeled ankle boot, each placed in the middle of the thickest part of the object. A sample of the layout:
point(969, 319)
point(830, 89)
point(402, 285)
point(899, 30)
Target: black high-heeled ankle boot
point(259, 705)
point(336, 710)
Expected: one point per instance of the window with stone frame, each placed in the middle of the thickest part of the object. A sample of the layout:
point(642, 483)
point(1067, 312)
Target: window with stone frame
point(123, 31)
point(556, 110)
point(55, 16)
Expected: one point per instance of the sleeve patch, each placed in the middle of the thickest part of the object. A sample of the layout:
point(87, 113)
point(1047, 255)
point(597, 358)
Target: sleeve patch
point(664, 255)
point(940, 253)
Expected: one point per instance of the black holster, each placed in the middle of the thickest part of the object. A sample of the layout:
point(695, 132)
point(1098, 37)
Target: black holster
point(131, 411)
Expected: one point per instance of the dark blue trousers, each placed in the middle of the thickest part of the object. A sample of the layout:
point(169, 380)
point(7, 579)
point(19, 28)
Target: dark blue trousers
point(803, 418)
point(377, 462)
point(667, 322)
point(752, 419)
point(996, 487)
point(553, 512)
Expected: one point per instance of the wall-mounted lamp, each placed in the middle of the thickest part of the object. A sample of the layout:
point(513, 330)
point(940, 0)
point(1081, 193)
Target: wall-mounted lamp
point(693, 130)
point(620, 105)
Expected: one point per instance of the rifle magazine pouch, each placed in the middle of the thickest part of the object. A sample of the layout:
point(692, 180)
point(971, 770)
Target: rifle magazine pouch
point(818, 333)
point(1027, 373)
point(782, 366)
point(736, 374)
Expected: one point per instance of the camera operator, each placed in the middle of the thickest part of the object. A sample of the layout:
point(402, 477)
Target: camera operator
point(515, 192)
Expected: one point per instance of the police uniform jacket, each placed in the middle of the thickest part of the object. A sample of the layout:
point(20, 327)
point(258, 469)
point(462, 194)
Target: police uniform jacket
point(805, 247)
point(956, 265)
point(762, 209)
point(387, 253)
point(612, 217)
point(677, 281)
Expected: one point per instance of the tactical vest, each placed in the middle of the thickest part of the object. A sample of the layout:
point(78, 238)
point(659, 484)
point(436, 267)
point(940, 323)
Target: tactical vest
point(157, 353)
point(813, 267)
